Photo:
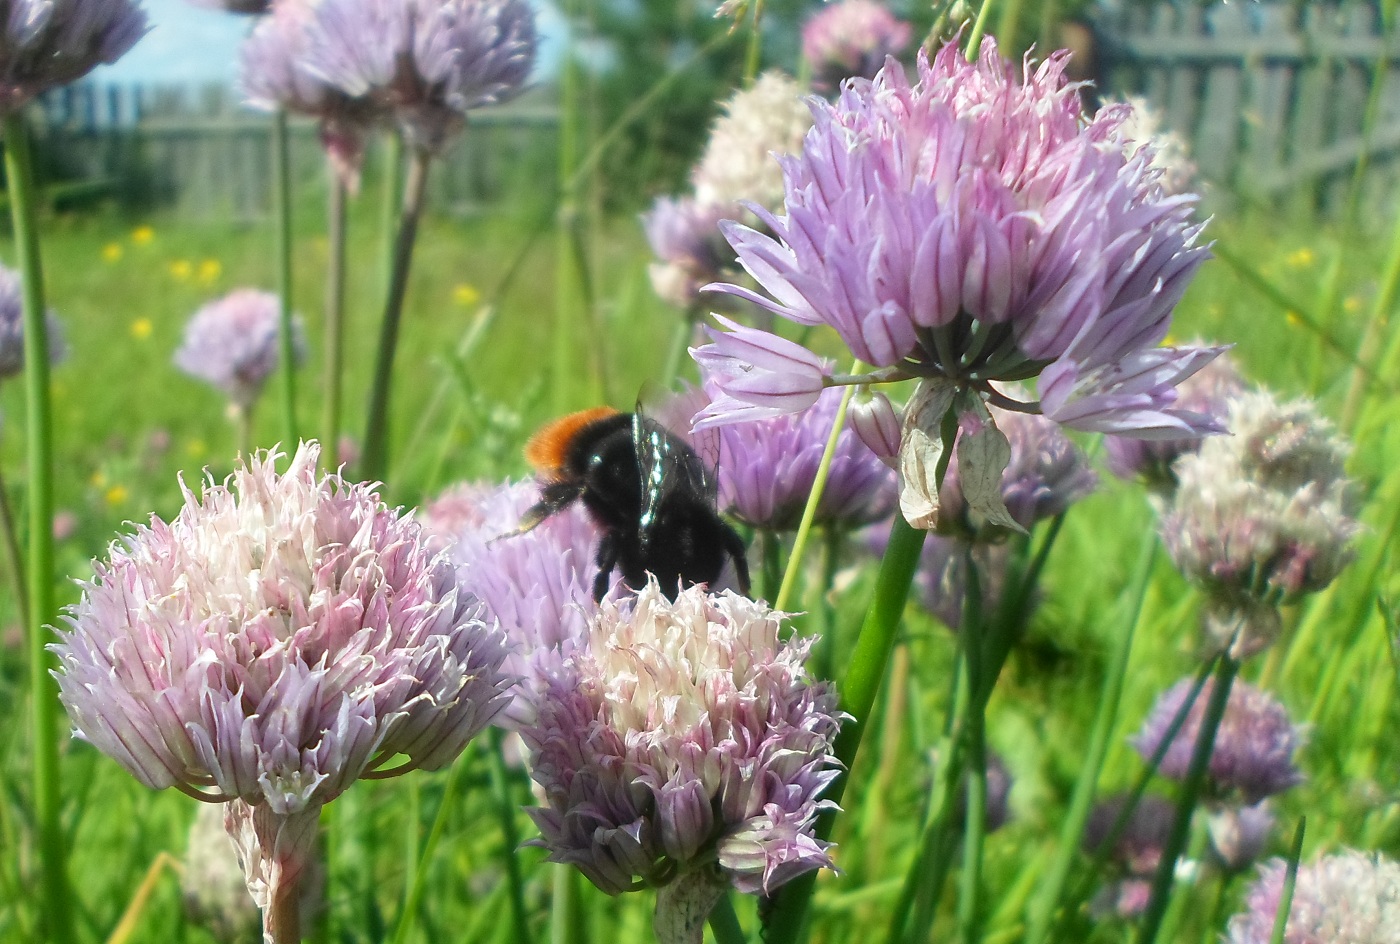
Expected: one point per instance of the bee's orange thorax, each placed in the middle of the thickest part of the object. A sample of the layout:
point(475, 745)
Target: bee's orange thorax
point(548, 449)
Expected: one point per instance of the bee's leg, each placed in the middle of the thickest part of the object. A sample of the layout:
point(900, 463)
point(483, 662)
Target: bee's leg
point(554, 498)
point(734, 545)
point(607, 560)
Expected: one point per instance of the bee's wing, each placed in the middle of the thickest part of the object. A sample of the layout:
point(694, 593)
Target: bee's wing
point(668, 466)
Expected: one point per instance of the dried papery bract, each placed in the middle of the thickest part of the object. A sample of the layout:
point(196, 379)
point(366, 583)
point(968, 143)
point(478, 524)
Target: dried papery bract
point(851, 39)
point(283, 636)
point(688, 752)
point(537, 586)
point(1349, 896)
point(973, 230)
point(1261, 518)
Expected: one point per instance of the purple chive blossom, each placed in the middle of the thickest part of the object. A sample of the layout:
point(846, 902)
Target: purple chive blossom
point(690, 251)
point(538, 586)
point(232, 343)
point(1045, 474)
point(767, 469)
point(1134, 855)
point(1172, 156)
point(1350, 897)
point(1238, 834)
point(1262, 517)
point(759, 123)
point(48, 43)
point(689, 751)
point(282, 637)
point(1208, 392)
point(12, 327)
point(429, 61)
point(851, 39)
point(273, 75)
point(1254, 746)
point(973, 230)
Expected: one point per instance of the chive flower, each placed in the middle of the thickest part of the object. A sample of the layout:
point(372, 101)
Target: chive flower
point(759, 123)
point(1348, 896)
point(232, 343)
point(12, 327)
point(48, 43)
point(690, 252)
point(851, 39)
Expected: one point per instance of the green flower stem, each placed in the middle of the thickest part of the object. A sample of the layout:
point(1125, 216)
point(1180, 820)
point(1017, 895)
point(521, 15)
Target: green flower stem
point(680, 343)
point(566, 916)
point(376, 460)
point(771, 572)
point(282, 198)
point(1290, 882)
point(390, 203)
point(814, 498)
point(724, 923)
point(19, 172)
point(753, 55)
point(282, 922)
point(413, 895)
point(1008, 24)
point(335, 319)
point(243, 430)
point(858, 690)
point(979, 29)
point(13, 551)
point(1381, 311)
point(824, 658)
point(980, 680)
point(1042, 909)
point(1162, 881)
point(510, 841)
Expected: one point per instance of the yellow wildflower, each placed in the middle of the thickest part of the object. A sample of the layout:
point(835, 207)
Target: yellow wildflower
point(196, 448)
point(142, 235)
point(465, 294)
point(1300, 258)
point(1351, 304)
point(181, 269)
point(98, 479)
point(210, 270)
point(112, 252)
point(141, 329)
point(116, 494)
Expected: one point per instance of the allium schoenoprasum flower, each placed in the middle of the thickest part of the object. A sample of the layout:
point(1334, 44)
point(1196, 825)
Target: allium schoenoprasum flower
point(767, 469)
point(538, 586)
point(1238, 834)
point(283, 636)
point(430, 61)
point(48, 43)
point(232, 343)
point(970, 230)
point(851, 39)
point(12, 327)
point(1172, 155)
point(689, 752)
point(1350, 897)
point(1135, 853)
point(1253, 753)
point(760, 123)
point(941, 578)
point(1208, 391)
point(1261, 517)
point(690, 251)
point(273, 75)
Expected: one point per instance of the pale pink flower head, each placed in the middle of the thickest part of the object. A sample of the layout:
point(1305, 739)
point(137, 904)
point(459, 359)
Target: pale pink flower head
point(851, 39)
point(283, 636)
point(690, 251)
point(971, 230)
point(232, 343)
point(537, 586)
point(691, 747)
point(1351, 897)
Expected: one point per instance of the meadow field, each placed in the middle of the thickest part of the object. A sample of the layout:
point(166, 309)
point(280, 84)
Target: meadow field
point(499, 337)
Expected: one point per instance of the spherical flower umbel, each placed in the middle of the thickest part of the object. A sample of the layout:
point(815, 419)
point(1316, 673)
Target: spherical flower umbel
point(690, 251)
point(759, 124)
point(851, 39)
point(48, 43)
point(1254, 746)
point(1171, 157)
point(232, 343)
point(1351, 897)
point(691, 749)
point(537, 585)
point(283, 636)
point(1261, 517)
point(12, 327)
point(430, 61)
point(767, 469)
point(972, 229)
point(1135, 853)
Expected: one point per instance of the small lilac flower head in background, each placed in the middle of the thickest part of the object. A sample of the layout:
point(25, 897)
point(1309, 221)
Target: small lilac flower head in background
point(1135, 853)
point(1254, 746)
point(12, 327)
point(1208, 392)
point(941, 580)
point(1351, 897)
point(767, 469)
point(537, 585)
point(688, 753)
point(1262, 517)
point(740, 162)
point(48, 43)
point(690, 251)
point(972, 229)
point(232, 343)
point(1171, 157)
point(1239, 834)
point(429, 61)
point(851, 39)
point(273, 75)
point(282, 637)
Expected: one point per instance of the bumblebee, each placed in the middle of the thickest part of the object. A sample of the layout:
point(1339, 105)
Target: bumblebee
point(646, 489)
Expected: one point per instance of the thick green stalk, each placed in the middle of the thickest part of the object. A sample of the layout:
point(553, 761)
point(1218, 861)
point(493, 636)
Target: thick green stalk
point(376, 460)
point(335, 320)
point(286, 349)
point(1290, 881)
point(19, 172)
point(754, 54)
point(979, 29)
point(814, 498)
point(510, 841)
point(724, 923)
point(13, 552)
point(566, 923)
point(418, 877)
point(858, 690)
point(980, 679)
point(1042, 910)
point(1186, 802)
